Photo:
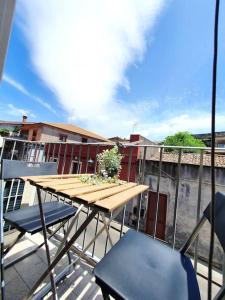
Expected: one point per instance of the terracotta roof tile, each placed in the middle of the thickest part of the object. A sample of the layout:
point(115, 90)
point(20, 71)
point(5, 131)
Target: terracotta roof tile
point(76, 129)
point(191, 158)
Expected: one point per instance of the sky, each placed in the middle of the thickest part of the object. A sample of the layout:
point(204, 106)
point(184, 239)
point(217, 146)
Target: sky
point(115, 67)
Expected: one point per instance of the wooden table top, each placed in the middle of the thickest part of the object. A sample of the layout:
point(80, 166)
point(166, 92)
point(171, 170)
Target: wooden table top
point(106, 196)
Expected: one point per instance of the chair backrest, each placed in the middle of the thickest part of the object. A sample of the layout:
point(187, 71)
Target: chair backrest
point(219, 217)
point(16, 168)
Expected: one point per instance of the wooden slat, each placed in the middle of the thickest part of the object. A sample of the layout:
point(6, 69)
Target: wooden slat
point(95, 196)
point(45, 184)
point(60, 187)
point(43, 177)
point(111, 203)
point(85, 190)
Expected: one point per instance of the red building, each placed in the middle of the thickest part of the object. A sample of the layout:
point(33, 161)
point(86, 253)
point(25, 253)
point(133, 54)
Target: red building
point(75, 158)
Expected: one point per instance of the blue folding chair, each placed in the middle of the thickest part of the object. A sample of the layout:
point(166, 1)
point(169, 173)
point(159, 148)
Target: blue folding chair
point(139, 267)
point(31, 219)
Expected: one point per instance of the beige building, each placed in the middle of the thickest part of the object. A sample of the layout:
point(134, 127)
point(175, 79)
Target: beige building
point(59, 132)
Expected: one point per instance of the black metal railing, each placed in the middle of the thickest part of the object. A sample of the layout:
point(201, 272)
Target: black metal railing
point(178, 177)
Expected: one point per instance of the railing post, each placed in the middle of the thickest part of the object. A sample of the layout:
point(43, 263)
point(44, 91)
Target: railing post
point(128, 179)
point(142, 181)
point(64, 158)
point(176, 198)
point(198, 208)
point(158, 185)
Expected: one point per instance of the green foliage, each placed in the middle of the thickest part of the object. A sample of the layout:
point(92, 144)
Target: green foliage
point(183, 139)
point(17, 129)
point(4, 132)
point(109, 162)
point(109, 167)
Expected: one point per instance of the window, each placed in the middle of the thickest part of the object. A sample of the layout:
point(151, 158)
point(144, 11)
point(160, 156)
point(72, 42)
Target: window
point(63, 137)
point(75, 167)
point(34, 135)
point(84, 140)
point(221, 145)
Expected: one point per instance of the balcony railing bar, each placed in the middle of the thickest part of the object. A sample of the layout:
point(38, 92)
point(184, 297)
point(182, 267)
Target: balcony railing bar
point(84, 235)
point(98, 215)
point(79, 161)
point(53, 152)
point(128, 180)
point(31, 152)
point(64, 159)
point(140, 197)
point(96, 154)
point(176, 199)
point(87, 158)
point(59, 153)
point(22, 156)
point(112, 144)
point(36, 151)
point(13, 150)
point(198, 208)
point(2, 150)
point(71, 158)
point(107, 237)
point(157, 191)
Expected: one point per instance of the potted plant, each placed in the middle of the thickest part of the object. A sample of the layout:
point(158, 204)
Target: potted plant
point(109, 163)
point(109, 167)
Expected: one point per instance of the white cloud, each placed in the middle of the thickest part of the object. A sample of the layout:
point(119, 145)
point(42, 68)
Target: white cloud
point(81, 50)
point(192, 122)
point(18, 112)
point(15, 84)
point(24, 91)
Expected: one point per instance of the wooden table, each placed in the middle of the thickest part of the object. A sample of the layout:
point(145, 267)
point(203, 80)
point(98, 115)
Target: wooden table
point(103, 198)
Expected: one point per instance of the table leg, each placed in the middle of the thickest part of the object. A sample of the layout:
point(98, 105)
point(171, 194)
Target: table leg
point(62, 252)
point(69, 229)
point(44, 229)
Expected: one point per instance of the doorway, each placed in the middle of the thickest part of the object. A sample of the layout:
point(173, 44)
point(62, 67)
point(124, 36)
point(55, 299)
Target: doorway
point(75, 167)
point(161, 220)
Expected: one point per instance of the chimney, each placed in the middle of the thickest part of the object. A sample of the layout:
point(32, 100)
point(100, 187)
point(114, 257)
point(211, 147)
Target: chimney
point(24, 120)
point(134, 137)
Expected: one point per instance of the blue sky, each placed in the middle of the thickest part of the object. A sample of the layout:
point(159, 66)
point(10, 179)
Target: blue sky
point(144, 66)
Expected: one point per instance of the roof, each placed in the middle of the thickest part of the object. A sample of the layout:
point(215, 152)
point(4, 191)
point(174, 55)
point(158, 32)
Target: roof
point(191, 159)
point(73, 129)
point(15, 123)
point(208, 135)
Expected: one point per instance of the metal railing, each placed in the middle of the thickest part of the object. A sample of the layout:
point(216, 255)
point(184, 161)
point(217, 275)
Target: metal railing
point(178, 177)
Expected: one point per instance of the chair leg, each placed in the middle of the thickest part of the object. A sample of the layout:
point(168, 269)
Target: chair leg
point(2, 271)
point(105, 294)
point(68, 252)
point(21, 234)
point(54, 294)
point(2, 296)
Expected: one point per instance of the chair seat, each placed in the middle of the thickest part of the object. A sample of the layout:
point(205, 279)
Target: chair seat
point(138, 267)
point(28, 218)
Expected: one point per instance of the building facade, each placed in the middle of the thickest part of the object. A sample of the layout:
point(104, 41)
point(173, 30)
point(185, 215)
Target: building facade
point(59, 132)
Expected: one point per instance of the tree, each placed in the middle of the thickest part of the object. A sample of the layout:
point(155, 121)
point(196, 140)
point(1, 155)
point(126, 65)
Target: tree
point(4, 132)
point(184, 139)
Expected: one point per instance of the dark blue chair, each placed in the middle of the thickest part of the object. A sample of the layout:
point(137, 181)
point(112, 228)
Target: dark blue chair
point(139, 267)
point(30, 219)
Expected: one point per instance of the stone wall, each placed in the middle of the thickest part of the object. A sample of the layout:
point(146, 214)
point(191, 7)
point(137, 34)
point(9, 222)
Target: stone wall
point(187, 201)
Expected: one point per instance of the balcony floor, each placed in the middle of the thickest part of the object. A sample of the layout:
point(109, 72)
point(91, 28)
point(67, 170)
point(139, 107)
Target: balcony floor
point(80, 284)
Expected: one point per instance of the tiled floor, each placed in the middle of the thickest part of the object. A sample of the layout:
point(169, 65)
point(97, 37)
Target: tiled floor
point(79, 284)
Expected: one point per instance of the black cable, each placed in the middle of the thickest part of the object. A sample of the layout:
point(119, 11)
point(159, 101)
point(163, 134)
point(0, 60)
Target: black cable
point(213, 118)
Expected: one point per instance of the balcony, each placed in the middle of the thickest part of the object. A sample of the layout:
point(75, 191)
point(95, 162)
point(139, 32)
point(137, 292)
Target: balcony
point(179, 191)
